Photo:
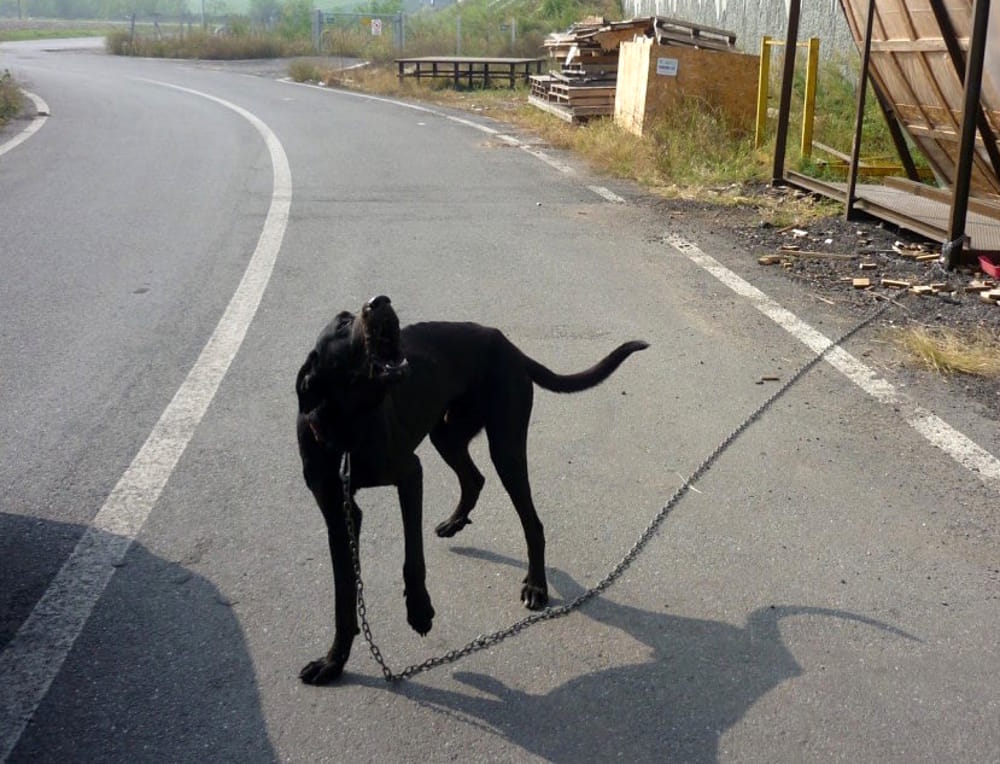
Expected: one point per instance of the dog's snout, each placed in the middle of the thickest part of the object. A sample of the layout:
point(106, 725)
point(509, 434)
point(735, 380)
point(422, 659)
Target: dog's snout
point(381, 301)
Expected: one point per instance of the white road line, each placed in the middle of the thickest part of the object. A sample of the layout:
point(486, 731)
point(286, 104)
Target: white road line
point(957, 445)
point(33, 127)
point(941, 434)
point(605, 193)
point(35, 655)
point(535, 152)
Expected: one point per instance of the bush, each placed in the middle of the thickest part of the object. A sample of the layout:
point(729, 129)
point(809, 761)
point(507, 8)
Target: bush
point(11, 99)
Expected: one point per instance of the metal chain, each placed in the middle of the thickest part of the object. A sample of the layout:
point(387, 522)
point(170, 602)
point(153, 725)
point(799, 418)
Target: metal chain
point(484, 641)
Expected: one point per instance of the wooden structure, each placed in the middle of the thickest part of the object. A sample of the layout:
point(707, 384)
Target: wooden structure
point(583, 82)
point(918, 56)
point(925, 60)
point(470, 70)
point(653, 79)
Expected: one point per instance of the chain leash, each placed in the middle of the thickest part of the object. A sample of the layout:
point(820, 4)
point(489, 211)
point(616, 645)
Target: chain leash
point(484, 641)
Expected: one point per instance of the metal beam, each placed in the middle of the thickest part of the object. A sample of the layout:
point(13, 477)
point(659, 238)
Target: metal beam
point(866, 55)
point(785, 102)
point(952, 252)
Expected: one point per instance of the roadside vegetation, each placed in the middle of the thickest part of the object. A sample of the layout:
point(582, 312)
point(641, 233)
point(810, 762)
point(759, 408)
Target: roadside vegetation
point(10, 98)
point(947, 351)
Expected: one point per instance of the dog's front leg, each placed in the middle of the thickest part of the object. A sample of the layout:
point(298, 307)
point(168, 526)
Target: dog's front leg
point(419, 612)
point(331, 666)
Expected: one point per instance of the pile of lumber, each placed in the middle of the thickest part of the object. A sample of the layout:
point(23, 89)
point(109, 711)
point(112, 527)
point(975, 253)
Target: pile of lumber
point(581, 83)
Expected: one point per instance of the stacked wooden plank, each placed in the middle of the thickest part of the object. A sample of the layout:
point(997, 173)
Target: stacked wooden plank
point(582, 82)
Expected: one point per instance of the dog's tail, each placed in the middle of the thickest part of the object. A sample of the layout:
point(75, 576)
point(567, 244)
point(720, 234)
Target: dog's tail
point(573, 383)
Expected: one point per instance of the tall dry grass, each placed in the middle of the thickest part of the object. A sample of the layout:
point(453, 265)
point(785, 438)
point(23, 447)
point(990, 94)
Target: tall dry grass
point(948, 351)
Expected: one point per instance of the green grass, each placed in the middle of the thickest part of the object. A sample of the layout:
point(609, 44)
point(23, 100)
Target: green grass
point(20, 35)
point(10, 98)
point(203, 45)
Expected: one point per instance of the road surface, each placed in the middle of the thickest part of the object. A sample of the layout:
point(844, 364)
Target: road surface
point(176, 234)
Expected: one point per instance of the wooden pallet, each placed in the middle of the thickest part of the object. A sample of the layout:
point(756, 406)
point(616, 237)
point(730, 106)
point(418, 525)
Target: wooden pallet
point(583, 84)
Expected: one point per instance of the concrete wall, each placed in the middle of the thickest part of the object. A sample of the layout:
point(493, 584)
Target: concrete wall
point(751, 19)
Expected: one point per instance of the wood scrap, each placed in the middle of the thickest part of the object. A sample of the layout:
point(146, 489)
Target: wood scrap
point(896, 283)
point(976, 285)
point(827, 255)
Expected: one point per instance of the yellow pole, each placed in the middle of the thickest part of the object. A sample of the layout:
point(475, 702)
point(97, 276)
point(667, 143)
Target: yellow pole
point(763, 80)
point(809, 99)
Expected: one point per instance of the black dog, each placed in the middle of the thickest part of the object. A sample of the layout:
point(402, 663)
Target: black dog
point(375, 392)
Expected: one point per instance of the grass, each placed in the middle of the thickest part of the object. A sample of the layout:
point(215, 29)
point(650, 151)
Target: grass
point(11, 99)
point(14, 30)
point(20, 35)
point(196, 43)
point(975, 353)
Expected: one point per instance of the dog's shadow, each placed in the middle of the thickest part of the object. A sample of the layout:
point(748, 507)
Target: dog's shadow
point(701, 680)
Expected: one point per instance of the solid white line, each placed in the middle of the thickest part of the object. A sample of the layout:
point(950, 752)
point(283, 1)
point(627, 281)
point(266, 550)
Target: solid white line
point(35, 655)
point(33, 127)
point(941, 434)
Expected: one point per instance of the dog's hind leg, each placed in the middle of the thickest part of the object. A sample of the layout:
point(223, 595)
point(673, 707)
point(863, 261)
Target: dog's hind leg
point(451, 438)
point(507, 430)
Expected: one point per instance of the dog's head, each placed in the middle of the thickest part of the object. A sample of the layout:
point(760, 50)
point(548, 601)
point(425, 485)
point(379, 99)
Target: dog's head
point(356, 360)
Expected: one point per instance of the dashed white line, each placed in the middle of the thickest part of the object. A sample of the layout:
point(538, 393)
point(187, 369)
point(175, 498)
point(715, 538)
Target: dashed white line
point(34, 656)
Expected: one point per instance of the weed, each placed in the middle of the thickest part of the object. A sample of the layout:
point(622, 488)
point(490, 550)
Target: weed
point(11, 99)
point(949, 352)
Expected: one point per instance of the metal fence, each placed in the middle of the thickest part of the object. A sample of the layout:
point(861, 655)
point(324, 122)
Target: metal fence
point(374, 24)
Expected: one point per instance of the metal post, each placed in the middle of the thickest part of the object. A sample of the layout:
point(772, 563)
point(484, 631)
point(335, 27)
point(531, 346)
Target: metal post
point(952, 251)
point(785, 103)
point(763, 85)
point(852, 168)
point(458, 36)
point(809, 98)
point(317, 30)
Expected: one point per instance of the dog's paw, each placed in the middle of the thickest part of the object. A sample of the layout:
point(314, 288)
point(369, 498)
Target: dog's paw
point(534, 597)
point(419, 612)
point(322, 671)
point(451, 526)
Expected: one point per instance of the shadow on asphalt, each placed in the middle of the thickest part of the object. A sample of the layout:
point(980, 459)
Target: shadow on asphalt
point(703, 677)
point(161, 671)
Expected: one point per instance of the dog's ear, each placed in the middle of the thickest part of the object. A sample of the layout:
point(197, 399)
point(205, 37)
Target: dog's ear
point(304, 383)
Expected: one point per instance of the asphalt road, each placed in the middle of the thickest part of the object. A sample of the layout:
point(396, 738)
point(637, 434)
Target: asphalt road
point(174, 237)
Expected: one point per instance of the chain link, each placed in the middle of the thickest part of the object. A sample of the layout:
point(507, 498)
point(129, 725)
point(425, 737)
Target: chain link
point(484, 641)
